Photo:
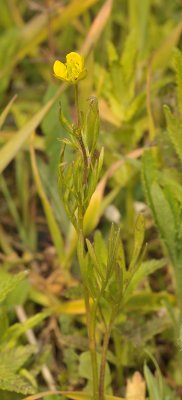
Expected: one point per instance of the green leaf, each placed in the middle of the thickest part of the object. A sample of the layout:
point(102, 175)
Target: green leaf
point(13, 359)
point(85, 368)
point(9, 44)
point(159, 204)
point(163, 52)
point(52, 129)
point(16, 330)
point(9, 282)
point(138, 240)
point(144, 302)
point(174, 127)
point(164, 218)
point(149, 174)
point(91, 130)
point(10, 149)
point(128, 63)
point(152, 384)
point(14, 383)
point(177, 61)
point(138, 18)
point(145, 269)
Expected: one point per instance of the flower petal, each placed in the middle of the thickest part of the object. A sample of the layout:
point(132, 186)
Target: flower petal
point(74, 58)
point(60, 70)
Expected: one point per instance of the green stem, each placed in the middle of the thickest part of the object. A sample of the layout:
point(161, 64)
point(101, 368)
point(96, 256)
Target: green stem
point(77, 105)
point(104, 356)
point(93, 352)
point(91, 318)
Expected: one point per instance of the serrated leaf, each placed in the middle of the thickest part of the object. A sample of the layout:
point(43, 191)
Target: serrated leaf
point(164, 218)
point(9, 282)
point(13, 359)
point(149, 174)
point(138, 240)
point(14, 383)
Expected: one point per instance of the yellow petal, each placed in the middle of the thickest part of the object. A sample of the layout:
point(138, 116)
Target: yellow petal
point(75, 58)
point(60, 70)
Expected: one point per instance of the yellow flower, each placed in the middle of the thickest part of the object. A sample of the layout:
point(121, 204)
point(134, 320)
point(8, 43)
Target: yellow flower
point(73, 70)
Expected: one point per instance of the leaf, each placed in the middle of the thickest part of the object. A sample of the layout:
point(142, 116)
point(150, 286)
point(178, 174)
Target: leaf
point(128, 63)
point(16, 330)
point(138, 18)
point(10, 149)
point(85, 368)
point(13, 359)
point(162, 54)
point(9, 45)
point(97, 27)
point(92, 127)
point(164, 219)
point(149, 174)
point(145, 269)
point(174, 127)
point(53, 130)
point(144, 302)
point(177, 62)
point(5, 112)
point(9, 282)
point(14, 383)
point(159, 204)
point(52, 223)
point(152, 384)
point(138, 240)
point(70, 307)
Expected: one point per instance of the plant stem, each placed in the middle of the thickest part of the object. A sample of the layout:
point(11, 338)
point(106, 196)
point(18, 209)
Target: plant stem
point(77, 105)
point(104, 358)
point(91, 318)
point(90, 308)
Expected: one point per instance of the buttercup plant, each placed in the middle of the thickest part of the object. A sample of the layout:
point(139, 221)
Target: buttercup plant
point(107, 284)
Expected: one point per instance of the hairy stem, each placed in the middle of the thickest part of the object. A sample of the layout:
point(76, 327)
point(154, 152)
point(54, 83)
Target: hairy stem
point(91, 318)
point(104, 358)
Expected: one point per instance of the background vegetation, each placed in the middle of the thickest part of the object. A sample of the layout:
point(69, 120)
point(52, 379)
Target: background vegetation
point(134, 63)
